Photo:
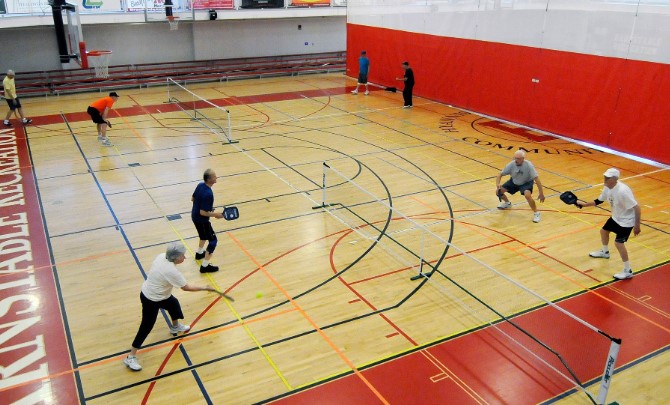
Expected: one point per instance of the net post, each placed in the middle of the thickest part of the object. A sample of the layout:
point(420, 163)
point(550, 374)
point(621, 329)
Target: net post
point(168, 89)
point(229, 134)
point(612, 356)
point(421, 261)
point(323, 188)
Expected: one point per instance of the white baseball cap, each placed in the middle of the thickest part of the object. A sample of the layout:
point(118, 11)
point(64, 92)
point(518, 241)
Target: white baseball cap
point(612, 172)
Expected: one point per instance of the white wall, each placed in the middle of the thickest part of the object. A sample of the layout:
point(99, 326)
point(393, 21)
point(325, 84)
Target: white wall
point(631, 29)
point(35, 49)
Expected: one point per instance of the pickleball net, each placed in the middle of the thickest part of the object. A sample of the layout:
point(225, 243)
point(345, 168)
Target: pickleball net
point(214, 117)
point(563, 351)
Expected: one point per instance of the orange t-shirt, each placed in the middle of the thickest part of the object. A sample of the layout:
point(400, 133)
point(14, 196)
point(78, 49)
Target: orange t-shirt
point(105, 102)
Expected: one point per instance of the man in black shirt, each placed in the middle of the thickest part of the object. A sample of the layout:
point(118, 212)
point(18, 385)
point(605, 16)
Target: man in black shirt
point(409, 84)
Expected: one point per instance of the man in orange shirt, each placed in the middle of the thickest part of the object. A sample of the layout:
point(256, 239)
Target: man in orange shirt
point(98, 111)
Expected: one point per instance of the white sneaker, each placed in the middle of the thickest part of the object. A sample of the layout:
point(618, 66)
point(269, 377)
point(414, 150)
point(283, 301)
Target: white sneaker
point(536, 217)
point(600, 254)
point(354, 92)
point(132, 363)
point(101, 138)
point(625, 274)
point(367, 92)
point(504, 205)
point(179, 328)
point(106, 142)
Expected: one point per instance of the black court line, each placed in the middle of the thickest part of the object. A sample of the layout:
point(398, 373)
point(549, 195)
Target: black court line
point(130, 248)
point(54, 270)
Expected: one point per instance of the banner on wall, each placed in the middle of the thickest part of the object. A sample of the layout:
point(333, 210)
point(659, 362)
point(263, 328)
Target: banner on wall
point(310, 2)
point(151, 5)
point(42, 6)
point(213, 4)
point(27, 6)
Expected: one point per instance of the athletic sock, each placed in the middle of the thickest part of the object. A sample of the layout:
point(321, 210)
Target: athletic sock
point(626, 266)
point(606, 249)
point(201, 250)
point(205, 263)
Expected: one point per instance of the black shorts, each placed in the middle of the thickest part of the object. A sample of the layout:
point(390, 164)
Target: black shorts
point(205, 230)
point(95, 115)
point(622, 233)
point(363, 78)
point(13, 104)
point(513, 188)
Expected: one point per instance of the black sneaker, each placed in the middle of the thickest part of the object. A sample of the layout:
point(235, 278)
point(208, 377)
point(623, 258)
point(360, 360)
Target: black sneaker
point(209, 269)
point(199, 256)
point(27, 121)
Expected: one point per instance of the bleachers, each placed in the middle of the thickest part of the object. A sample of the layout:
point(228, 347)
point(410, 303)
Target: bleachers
point(142, 75)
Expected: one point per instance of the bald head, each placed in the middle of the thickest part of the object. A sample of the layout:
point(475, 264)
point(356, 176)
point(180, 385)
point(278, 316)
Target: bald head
point(519, 157)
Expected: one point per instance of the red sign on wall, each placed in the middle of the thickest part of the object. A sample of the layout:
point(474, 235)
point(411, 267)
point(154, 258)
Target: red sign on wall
point(310, 3)
point(213, 4)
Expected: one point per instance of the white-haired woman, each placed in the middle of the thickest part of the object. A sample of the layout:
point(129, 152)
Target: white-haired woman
point(156, 294)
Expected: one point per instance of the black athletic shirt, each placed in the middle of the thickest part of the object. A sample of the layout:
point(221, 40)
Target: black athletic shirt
point(409, 75)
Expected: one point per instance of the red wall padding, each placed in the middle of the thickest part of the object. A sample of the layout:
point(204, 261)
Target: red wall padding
point(613, 102)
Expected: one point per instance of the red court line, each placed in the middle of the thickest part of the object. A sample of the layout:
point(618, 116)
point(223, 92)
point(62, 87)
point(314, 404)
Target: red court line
point(498, 371)
point(171, 107)
point(370, 388)
point(359, 295)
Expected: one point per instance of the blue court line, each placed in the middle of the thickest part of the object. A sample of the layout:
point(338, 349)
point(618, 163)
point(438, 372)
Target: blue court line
point(132, 252)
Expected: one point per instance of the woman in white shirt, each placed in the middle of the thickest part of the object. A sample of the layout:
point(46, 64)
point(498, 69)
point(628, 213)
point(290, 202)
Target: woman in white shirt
point(156, 294)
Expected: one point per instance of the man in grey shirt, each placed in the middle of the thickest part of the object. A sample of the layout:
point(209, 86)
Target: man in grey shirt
point(523, 175)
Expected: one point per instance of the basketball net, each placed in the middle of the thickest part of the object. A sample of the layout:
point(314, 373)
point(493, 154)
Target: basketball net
point(174, 23)
point(100, 62)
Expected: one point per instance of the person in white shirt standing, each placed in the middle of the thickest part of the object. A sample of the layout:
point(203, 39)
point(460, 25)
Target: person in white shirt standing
point(626, 216)
point(13, 100)
point(156, 294)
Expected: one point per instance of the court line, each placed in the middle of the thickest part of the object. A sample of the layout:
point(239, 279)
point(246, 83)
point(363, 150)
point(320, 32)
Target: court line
point(214, 283)
point(567, 278)
point(308, 319)
point(61, 301)
point(117, 357)
point(361, 296)
point(454, 377)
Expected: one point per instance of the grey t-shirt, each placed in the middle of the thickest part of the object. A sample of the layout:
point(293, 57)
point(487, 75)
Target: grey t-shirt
point(520, 174)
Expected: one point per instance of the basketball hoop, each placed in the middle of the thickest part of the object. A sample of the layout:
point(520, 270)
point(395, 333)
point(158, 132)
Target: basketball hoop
point(174, 23)
point(100, 62)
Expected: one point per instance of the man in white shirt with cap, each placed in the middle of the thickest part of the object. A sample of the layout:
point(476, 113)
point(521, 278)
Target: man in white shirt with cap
point(626, 215)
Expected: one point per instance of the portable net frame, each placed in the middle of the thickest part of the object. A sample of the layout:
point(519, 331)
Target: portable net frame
point(211, 116)
point(416, 248)
point(100, 59)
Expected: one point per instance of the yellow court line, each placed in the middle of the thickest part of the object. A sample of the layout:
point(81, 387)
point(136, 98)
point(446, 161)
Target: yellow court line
point(179, 341)
point(457, 380)
point(308, 318)
point(209, 276)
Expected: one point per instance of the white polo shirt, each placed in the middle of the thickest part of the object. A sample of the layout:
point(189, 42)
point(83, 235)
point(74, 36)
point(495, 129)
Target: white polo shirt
point(162, 277)
point(623, 203)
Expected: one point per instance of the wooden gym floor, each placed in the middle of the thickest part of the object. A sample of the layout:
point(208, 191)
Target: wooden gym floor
point(325, 310)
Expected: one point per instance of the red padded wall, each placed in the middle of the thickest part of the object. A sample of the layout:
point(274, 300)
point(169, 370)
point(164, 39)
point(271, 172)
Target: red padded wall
point(611, 102)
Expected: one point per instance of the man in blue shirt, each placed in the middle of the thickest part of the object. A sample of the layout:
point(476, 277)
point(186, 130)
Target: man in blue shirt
point(203, 209)
point(363, 70)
